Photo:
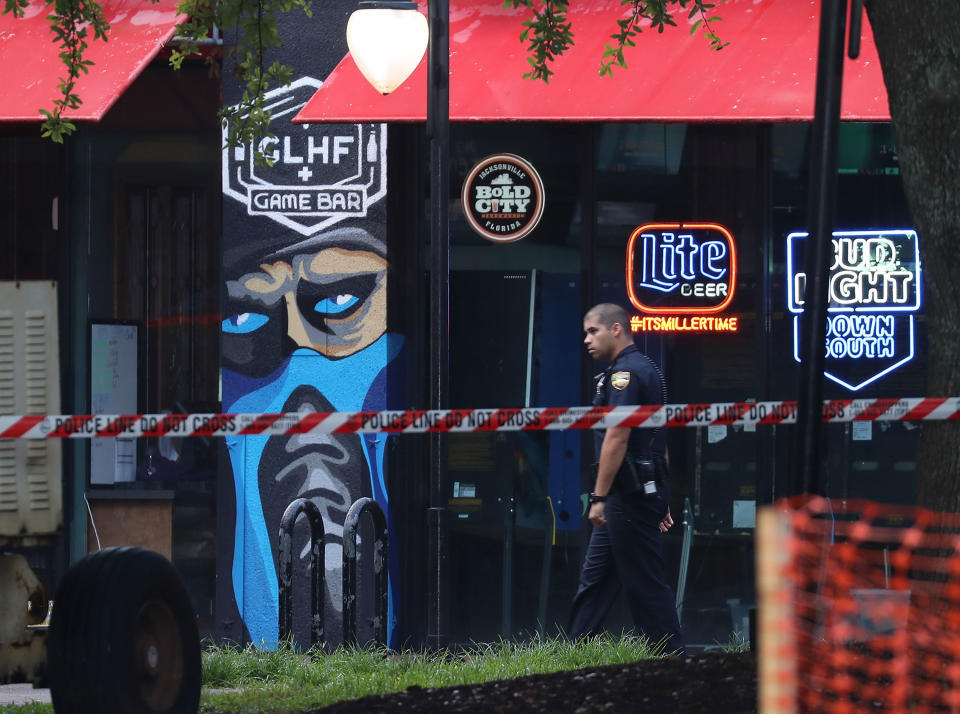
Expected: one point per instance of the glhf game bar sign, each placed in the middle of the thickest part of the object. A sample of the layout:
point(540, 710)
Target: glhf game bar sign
point(681, 277)
point(874, 292)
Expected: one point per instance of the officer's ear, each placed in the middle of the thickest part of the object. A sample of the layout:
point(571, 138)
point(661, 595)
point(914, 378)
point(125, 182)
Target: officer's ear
point(617, 329)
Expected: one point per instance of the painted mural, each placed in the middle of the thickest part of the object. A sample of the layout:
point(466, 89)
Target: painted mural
point(304, 329)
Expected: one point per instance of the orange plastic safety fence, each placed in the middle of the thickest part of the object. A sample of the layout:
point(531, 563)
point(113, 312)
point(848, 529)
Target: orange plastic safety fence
point(876, 606)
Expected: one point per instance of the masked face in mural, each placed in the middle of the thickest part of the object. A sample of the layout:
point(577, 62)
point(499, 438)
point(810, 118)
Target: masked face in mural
point(327, 294)
point(305, 331)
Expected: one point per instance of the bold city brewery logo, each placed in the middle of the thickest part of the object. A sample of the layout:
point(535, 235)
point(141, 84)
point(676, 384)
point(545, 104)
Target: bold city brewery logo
point(681, 268)
point(503, 198)
point(321, 174)
point(874, 292)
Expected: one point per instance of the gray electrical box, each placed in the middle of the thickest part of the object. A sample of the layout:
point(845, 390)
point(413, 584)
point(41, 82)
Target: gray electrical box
point(30, 490)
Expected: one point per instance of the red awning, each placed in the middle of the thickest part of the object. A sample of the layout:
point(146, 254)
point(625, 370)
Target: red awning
point(32, 66)
point(766, 73)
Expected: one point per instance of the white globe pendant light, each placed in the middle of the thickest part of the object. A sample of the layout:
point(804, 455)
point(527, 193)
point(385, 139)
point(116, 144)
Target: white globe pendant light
point(387, 39)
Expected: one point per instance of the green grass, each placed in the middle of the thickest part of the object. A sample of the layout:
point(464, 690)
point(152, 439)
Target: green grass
point(251, 681)
point(32, 708)
point(288, 681)
point(736, 644)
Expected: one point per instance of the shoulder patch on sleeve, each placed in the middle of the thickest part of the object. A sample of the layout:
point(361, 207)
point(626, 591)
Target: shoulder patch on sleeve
point(620, 380)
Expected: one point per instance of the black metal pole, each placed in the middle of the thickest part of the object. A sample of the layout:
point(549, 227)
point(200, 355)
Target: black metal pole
point(438, 133)
point(806, 476)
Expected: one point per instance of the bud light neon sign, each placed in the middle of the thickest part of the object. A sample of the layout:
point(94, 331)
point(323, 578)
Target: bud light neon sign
point(874, 291)
point(680, 273)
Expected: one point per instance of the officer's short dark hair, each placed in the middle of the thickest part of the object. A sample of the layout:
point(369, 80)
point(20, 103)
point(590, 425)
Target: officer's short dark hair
point(608, 313)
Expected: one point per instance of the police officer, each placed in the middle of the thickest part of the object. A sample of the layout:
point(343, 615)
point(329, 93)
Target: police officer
point(629, 504)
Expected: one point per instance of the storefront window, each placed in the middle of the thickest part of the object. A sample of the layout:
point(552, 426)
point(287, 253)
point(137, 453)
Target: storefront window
point(515, 341)
point(866, 460)
point(696, 174)
point(155, 267)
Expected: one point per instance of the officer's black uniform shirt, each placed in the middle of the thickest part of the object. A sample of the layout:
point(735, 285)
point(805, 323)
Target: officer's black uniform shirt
point(630, 380)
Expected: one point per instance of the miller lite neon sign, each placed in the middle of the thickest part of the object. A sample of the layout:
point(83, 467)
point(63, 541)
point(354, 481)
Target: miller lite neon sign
point(681, 276)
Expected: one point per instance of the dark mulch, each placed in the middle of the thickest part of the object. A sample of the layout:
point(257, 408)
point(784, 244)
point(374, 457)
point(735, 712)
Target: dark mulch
point(706, 683)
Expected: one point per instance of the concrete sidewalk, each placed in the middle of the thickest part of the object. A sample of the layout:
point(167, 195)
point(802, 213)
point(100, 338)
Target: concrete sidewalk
point(22, 694)
point(25, 693)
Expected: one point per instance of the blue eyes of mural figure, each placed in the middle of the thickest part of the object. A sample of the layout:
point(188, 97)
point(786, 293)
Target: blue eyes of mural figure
point(336, 305)
point(244, 323)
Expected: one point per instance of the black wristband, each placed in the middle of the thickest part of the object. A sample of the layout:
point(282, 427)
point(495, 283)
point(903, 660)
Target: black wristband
point(594, 498)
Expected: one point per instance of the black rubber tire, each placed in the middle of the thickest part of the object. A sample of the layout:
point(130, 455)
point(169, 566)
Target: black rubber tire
point(123, 638)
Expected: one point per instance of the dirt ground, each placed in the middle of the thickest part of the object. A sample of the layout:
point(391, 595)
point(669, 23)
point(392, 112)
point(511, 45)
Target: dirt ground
point(706, 683)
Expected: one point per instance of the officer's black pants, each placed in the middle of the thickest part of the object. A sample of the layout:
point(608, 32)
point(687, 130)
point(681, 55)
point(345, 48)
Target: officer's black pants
point(628, 551)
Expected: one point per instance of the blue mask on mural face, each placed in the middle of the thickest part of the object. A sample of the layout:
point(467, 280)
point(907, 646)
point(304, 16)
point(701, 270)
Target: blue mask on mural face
point(319, 328)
